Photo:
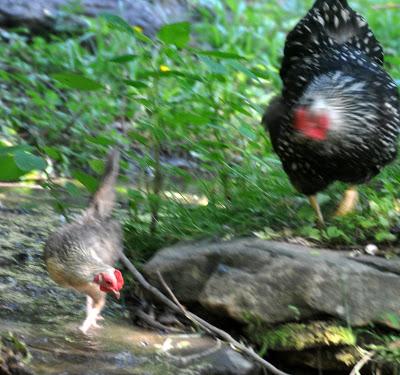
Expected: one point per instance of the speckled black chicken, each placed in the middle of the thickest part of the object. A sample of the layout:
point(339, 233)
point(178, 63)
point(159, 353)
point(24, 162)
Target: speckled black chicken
point(338, 115)
point(81, 255)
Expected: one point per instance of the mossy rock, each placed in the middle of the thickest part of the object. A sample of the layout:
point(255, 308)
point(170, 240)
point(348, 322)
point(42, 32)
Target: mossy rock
point(318, 344)
point(14, 355)
point(301, 336)
point(338, 359)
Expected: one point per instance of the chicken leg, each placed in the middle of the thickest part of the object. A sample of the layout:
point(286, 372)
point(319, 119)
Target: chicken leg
point(315, 205)
point(89, 308)
point(95, 302)
point(349, 201)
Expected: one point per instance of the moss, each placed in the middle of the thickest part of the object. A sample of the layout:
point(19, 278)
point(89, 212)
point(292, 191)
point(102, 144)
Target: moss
point(348, 356)
point(300, 336)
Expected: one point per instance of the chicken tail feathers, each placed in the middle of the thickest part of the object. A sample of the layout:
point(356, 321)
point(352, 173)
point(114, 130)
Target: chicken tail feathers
point(329, 24)
point(103, 201)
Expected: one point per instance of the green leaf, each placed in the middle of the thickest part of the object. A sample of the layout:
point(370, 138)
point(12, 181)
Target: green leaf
point(143, 38)
point(177, 34)
point(233, 4)
point(191, 118)
point(135, 194)
point(9, 170)
point(29, 162)
point(333, 232)
point(219, 54)
point(77, 81)
point(311, 232)
point(248, 132)
point(101, 140)
point(123, 59)
point(97, 166)
point(172, 73)
point(143, 101)
point(385, 236)
point(240, 107)
point(136, 84)
point(213, 145)
point(137, 137)
point(260, 73)
point(52, 152)
point(241, 68)
point(215, 67)
point(118, 23)
point(72, 189)
point(8, 150)
point(86, 180)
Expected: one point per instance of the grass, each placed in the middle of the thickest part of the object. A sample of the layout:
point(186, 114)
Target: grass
point(200, 100)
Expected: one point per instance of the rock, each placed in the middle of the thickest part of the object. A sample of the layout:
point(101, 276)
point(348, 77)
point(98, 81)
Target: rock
point(301, 336)
point(272, 282)
point(327, 345)
point(208, 357)
point(13, 354)
point(53, 15)
point(337, 359)
point(228, 362)
point(47, 317)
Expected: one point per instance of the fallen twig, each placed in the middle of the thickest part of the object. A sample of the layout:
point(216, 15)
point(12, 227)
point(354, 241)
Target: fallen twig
point(177, 307)
point(189, 359)
point(362, 362)
point(153, 323)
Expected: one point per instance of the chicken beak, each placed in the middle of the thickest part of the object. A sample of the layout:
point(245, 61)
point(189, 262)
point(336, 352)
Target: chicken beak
point(116, 294)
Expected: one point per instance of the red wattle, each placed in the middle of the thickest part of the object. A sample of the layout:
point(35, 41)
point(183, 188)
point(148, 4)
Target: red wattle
point(120, 279)
point(312, 126)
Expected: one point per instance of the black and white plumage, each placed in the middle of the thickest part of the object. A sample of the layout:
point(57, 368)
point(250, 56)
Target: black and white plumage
point(338, 115)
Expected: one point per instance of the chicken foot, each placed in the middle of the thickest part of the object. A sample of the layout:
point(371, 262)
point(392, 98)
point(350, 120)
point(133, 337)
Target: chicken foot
point(315, 205)
point(349, 201)
point(93, 309)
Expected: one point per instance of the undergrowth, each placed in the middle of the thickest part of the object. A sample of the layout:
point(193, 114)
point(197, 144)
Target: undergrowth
point(196, 92)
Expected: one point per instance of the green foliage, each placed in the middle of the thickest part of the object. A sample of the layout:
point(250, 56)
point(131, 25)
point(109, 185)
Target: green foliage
point(76, 81)
point(177, 34)
point(196, 91)
point(300, 336)
point(17, 161)
point(9, 342)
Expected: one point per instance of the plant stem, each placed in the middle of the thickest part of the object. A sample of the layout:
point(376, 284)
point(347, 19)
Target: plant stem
point(157, 182)
point(157, 187)
point(222, 172)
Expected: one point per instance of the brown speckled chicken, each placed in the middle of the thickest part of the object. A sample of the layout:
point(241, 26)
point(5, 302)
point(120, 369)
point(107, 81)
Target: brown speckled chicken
point(81, 255)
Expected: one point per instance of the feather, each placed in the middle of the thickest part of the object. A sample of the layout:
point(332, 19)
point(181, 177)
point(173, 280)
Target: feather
point(332, 73)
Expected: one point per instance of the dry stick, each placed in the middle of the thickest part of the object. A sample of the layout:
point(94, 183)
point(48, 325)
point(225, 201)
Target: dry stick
point(362, 362)
point(153, 323)
point(219, 332)
point(177, 307)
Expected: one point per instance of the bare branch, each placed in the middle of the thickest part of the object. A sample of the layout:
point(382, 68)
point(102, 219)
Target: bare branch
point(362, 362)
point(176, 306)
point(157, 325)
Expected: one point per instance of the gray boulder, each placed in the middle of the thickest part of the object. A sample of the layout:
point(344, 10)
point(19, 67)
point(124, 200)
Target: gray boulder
point(279, 282)
point(54, 15)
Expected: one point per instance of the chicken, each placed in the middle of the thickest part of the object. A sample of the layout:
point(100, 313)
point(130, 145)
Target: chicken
point(81, 255)
point(337, 118)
